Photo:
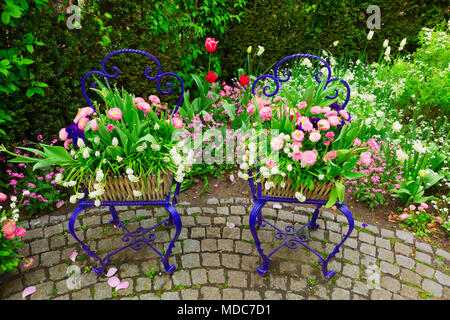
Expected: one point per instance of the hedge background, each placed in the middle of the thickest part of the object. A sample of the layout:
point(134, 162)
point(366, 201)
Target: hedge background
point(282, 27)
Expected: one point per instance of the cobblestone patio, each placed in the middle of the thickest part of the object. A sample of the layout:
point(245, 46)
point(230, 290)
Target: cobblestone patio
point(215, 261)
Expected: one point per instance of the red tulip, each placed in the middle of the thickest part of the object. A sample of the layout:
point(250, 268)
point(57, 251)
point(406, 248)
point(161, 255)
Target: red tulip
point(244, 79)
point(211, 44)
point(211, 77)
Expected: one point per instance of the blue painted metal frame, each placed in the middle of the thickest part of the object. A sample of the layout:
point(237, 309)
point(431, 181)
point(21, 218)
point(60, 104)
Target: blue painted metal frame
point(291, 236)
point(141, 235)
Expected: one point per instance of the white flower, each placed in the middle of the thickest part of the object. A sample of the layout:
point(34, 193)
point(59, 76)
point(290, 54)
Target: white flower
point(115, 142)
point(243, 175)
point(86, 153)
point(422, 173)
point(119, 158)
point(97, 153)
point(137, 193)
point(73, 199)
point(133, 178)
point(80, 143)
point(388, 51)
point(156, 126)
point(12, 205)
point(282, 184)
point(401, 155)
point(419, 147)
point(249, 49)
point(13, 198)
point(300, 197)
point(402, 43)
point(58, 177)
point(260, 51)
point(155, 147)
point(321, 176)
point(379, 113)
point(26, 193)
point(385, 43)
point(289, 167)
point(396, 126)
point(129, 171)
point(99, 175)
point(96, 140)
point(97, 203)
point(79, 195)
point(336, 43)
point(370, 35)
point(15, 217)
point(307, 63)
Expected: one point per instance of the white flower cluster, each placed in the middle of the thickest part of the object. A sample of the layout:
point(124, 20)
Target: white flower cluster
point(131, 176)
point(183, 165)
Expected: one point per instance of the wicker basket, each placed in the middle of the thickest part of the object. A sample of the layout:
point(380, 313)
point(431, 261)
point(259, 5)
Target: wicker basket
point(320, 191)
point(121, 188)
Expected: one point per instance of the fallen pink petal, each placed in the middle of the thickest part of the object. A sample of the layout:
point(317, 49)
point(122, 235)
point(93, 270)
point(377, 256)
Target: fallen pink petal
point(122, 285)
point(28, 290)
point(113, 281)
point(111, 272)
point(230, 225)
point(73, 256)
point(277, 206)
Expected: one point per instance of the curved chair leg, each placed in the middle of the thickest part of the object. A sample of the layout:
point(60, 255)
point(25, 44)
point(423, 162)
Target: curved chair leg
point(115, 218)
point(174, 217)
point(312, 225)
point(346, 211)
point(256, 219)
point(85, 247)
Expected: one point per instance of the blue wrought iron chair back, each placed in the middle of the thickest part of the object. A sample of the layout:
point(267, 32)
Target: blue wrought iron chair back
point(158, 77)
point(278, 81)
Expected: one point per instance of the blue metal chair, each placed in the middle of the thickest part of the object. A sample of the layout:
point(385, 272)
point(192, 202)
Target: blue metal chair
point(141, 235)
point(290, 236)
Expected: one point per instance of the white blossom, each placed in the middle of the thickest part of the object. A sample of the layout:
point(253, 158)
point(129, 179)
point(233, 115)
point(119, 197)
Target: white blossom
point(115, 142)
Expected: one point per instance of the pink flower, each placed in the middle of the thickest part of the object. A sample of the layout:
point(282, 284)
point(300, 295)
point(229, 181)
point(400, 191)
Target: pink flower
point(86, 111)
point(424, 205)
point(144, 106)
point(373, 144)
point(297, 156)
point(251, 109)
point(83, 123)
point(334, 121)
point(21, 232)
point(13, 182)
point(329, 135)
point(110, 127)
point(412, 207)
point(265, 113)
point(309, 157)
point(276, 143)
point(154, 99)
point(115, 114)
point(356, 142)
point(331, 155)
point(63, 134)
point(3, 197)
point(59, 204)
point(316, 110)
point(330, 113)
point(276, 99)
point(302, 105)
point(66, 143)
point(138, 100)
point(298, 136)
point(306, 125)
point(207, 118)
point(177, 122)
point(315, 136)
point(403, 216)
point(323, 124)
point(9, 229)
point(270, 163)
point(439, 219)
point(211, 44)
point(366, 158)
point(94, 125)
point(344, 114)
point(28, 263)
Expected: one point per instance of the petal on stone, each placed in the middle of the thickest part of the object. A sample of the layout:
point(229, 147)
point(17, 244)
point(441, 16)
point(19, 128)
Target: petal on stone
point(111, 272)
point(29, 290)
point(73, 255)
point(113, 282)
point(123, 285)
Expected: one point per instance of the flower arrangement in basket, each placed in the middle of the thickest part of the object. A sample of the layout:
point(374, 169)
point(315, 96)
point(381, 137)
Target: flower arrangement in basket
point(313, 146)
point(124, 153)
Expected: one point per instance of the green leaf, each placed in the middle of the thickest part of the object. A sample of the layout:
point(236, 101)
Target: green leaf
point(5, 17)
point(340, 189)
point(332, 199)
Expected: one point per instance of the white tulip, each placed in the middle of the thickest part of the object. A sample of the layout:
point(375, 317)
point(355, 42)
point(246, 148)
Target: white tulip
point(370, 35)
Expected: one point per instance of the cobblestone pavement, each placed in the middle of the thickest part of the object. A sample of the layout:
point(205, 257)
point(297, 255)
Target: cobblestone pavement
point(215, 261)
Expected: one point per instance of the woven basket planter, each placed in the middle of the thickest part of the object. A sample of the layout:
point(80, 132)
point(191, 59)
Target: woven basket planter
point(320, 191)
point(121, 188)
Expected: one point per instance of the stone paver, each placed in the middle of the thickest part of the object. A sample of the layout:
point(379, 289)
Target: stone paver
point(217, 262)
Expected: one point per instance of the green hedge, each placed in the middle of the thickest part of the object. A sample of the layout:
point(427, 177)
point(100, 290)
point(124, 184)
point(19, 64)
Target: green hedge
point(282, 27)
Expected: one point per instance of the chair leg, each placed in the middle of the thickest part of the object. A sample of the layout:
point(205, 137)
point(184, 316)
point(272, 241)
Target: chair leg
point(174, 218)
point(254, 221)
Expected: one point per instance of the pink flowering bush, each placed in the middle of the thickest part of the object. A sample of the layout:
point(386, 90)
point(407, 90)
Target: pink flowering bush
point(380, 177)
point(11, 233)
point(417, 219)
point(39, 189)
